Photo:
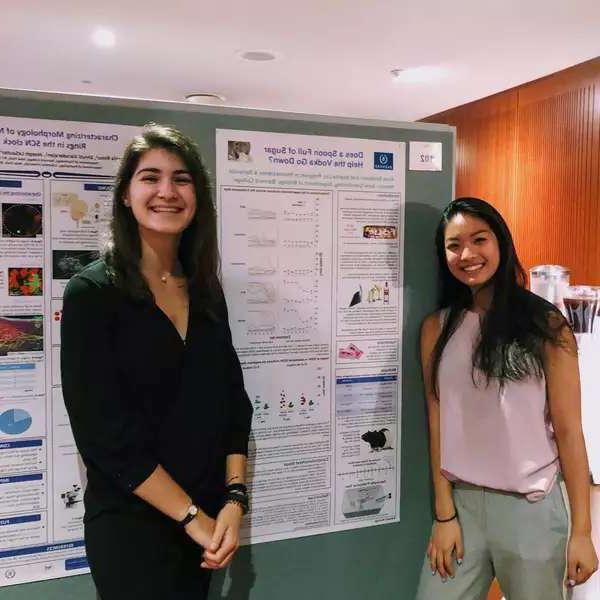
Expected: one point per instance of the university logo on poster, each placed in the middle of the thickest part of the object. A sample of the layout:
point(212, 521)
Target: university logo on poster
point(383, 160)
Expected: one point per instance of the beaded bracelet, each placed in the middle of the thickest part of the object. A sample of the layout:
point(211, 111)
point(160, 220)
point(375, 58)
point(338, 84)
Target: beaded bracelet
point(239, 499)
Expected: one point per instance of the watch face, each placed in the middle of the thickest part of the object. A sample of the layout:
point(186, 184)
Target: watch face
point(193, 510)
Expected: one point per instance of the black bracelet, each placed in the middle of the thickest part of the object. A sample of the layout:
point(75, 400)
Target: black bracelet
point(240, 487)
point(435, 518)
point(239, 499)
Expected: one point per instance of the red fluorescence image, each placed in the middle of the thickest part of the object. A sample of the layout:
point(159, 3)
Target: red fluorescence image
point(25, 281)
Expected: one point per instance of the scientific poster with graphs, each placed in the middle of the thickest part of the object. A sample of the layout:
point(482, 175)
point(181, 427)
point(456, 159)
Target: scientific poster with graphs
point(311, 234)
point(55, 200)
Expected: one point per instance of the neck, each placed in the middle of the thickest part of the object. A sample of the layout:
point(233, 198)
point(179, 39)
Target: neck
point(159, 253)
point(482, 297)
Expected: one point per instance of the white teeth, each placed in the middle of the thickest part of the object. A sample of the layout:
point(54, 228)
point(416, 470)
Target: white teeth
point(169, 209)
point(473, 268)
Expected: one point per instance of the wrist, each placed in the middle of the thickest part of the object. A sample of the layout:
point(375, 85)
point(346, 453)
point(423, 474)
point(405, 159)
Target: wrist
point(237, 494)
point(444, 512)
point(581, 526)
point(581, 532)
point(201, 520)
point(448, 519)
point(187, 516)
point(235, 506)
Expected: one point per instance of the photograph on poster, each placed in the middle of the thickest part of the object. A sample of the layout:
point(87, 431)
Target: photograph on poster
point(21, 220)
point(239, 151)
point(25, 281)
point(21, 334)
point(66, 263)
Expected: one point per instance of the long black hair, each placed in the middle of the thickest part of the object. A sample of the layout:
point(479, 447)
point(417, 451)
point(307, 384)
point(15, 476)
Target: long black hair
point(517, 324)
point(197, 252)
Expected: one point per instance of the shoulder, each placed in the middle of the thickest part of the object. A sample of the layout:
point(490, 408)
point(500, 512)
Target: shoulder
point(431, 328)
point(91, 283)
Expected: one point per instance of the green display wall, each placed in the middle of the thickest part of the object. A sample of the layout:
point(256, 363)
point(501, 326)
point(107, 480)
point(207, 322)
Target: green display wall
point(375, 562)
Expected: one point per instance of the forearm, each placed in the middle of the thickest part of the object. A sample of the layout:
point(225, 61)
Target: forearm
point(574, 464)
point(442, 488)
point(162, 492)
point(235, 468)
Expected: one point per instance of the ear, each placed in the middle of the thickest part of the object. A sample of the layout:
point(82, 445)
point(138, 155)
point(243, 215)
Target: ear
point(126, 202)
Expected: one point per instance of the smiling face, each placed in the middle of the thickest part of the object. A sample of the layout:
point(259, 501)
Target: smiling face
point(472, 250)
point(161, 193)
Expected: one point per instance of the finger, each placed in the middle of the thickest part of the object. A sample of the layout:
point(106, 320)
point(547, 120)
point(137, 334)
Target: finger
point(228, 543)
point(441, 569)
point(210, 564)
point(217, 537)
point(228, 559)
point(449, 563)
point(571, 572)
point(583, 574)
point(459, 551)
point(433, 560)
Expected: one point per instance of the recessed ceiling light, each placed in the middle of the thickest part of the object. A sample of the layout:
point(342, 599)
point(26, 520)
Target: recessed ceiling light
point(205, 98)
point(104, 38)
point(257, 55)
point(424, 74)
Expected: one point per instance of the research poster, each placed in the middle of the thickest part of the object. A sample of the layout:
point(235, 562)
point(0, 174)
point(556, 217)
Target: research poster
point(311, 237)
point(56, 180)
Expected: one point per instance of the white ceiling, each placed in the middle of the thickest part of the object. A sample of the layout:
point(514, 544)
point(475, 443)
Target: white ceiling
point(334, 55)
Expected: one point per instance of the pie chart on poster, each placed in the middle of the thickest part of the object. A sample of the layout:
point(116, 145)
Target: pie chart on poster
point(15, 421)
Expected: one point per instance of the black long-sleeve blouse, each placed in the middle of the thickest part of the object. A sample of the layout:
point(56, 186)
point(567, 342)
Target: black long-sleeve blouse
point(139, 396)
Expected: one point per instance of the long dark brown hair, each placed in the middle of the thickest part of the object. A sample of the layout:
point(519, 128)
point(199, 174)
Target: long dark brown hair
point(197, 252)
point(517, 324)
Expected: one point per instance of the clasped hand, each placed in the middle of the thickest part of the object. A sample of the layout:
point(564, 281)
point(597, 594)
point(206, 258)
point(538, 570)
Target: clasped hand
point(219, 537)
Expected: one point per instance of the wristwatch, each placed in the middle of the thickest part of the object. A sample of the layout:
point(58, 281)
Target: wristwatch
point(192, 511)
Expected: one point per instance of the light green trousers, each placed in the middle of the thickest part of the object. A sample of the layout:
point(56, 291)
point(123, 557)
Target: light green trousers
point(521, 543)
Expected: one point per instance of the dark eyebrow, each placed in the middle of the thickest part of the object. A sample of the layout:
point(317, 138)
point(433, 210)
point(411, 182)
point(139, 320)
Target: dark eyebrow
point(156, 170)
point(455, 239)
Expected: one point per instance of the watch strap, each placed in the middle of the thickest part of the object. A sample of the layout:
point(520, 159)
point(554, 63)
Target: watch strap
point(191, 513)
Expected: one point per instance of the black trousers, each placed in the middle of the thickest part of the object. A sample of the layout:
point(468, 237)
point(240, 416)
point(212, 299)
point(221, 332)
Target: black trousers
point(144, 555)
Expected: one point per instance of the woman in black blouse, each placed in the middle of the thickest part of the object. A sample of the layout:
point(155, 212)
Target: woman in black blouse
point(153, 386)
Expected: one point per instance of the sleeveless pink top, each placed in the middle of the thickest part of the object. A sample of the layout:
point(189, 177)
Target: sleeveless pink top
point(493, 437)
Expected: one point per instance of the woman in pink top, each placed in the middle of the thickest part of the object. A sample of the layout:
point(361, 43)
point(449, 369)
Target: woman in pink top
point(502, 387)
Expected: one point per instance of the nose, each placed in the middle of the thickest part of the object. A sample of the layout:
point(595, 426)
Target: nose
point(466, 253)
point(166, 189)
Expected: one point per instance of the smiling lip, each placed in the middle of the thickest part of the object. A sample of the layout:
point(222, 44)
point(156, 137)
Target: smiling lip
point(166, 209)
point(473, 268)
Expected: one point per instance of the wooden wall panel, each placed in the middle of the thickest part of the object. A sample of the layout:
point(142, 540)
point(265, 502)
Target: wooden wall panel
point(557, 209)
point(534, 153)
point(486, 143)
